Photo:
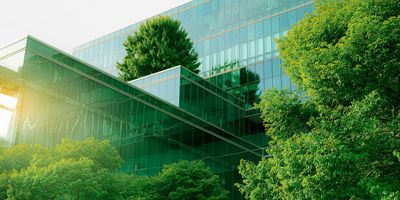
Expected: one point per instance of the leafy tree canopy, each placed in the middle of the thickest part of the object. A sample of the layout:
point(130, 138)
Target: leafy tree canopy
point(86, 170)
point(182, 180)
point(160, 43)
point(190, 180)
point(342, 140)
point(346, 50)
point(63, 179)
point(70, 170)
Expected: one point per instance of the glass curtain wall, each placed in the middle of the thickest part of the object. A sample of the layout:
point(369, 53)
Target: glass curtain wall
point(62, 97)
point(228, 35)
point(11, 62)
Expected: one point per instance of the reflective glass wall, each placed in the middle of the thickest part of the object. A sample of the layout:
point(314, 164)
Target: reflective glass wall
point(228, 35)
point(193, 94)
point(61, 97)
point(11, 62)
point(164, 85)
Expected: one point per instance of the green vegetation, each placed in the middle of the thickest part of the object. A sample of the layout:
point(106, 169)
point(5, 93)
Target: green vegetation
point(182, 180)
point(342, 140)
point(70, 170)
point(87, 170)
point(159, 44)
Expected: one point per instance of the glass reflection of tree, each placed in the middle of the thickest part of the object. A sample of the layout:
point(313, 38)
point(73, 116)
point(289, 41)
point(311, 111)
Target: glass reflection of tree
point(242, 83)
point(249, 84)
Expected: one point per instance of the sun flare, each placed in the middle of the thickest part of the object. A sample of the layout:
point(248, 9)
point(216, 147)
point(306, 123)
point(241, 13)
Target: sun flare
point(8, 102)
point(7, 107)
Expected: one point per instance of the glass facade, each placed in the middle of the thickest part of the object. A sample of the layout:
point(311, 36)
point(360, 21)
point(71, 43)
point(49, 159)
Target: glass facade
point(59, 96)
point(172, 115)
point(234, 39)
point(165, 84)
point(11, 61)
point(198, 97)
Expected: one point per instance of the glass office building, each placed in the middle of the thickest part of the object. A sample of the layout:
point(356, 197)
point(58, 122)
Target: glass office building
point(172, 115)
point(48, 95)
point(232, 37)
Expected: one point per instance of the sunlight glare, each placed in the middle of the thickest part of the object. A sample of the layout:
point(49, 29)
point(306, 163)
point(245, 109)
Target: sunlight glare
point(8, 102)
point(7, 107)
point(5, 119)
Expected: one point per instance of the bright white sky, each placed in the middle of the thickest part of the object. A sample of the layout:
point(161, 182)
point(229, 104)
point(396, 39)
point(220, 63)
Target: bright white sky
point(69, 23)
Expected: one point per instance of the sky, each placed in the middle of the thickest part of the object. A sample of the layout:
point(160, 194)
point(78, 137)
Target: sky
point(66, 24)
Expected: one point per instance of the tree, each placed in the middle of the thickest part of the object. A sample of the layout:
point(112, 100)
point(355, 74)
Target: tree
point(70, 170)
point(64, 179)
point(346, 50)
point(15, 159)
point(342, 140)
point(18, 157)
point(181, 180)
point(160, 43)
point(101, 152)
point(189, 180)
point(135, 187)
point(87, 170)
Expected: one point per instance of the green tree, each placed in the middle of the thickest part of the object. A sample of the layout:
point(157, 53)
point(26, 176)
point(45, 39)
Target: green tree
point(342, 140)
point(189, 180)
point(181, 180)
point(160, 43)
point(104, 155)
point(86, 170)
point(18, 157)
point(69, 170)
point(64, 179)
point(15, 159)
point(346, 50)
point(136, 187)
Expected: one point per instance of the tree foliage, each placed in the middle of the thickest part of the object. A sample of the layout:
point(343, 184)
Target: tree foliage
point(180, 181)
point(70, 170)
point(63, 179)
point(100, 152)
point(87, 170)
point(342, 140)
point(189, 180)
point(160, 43)
point(346, 50)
